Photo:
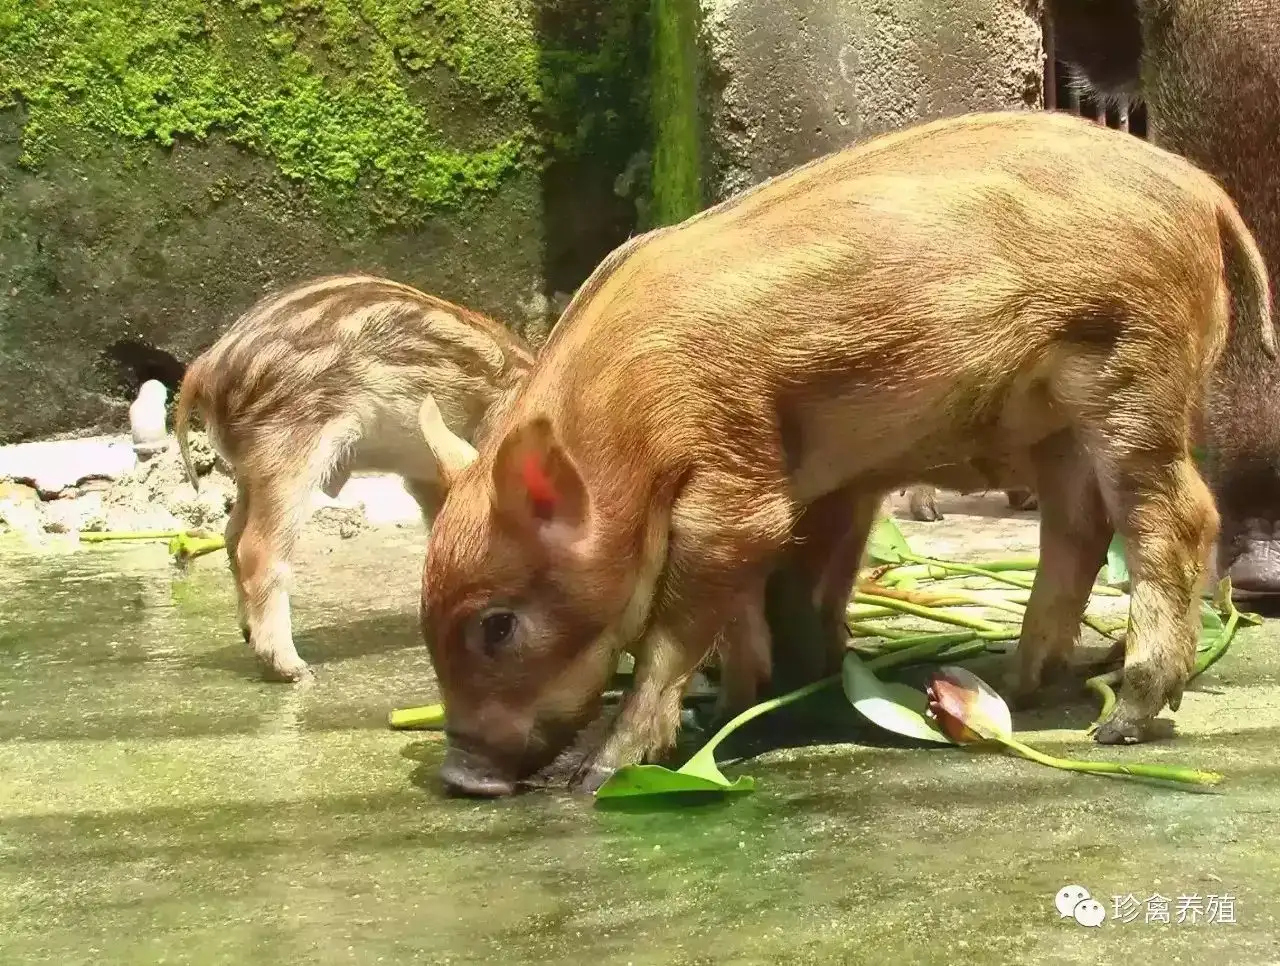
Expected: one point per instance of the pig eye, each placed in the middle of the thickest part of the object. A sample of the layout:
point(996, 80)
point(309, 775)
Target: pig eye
point(496, 629)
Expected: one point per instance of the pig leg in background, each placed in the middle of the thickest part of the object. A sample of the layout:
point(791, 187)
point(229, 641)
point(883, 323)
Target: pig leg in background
point(1021, 499)
point(278, 506)
point(1074, 534)
point(429, 496)
point(832, 537)
point(1167, 517)
point(725, 534)
point(922, 503)
point(744, 649)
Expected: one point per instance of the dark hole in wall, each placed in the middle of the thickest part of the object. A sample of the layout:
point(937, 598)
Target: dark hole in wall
point(128, 363)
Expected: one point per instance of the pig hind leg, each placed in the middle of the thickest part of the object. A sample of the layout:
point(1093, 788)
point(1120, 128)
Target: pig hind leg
point(725, 533)
point(922, 503)
point(1162, 508)
point(1167, 517)
point(831, 536)
point(429, 496)
point(744, 649)
point(1074, 533)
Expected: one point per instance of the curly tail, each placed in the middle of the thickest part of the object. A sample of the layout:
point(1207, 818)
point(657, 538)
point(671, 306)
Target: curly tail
point(190, 399)
point(1248, 260)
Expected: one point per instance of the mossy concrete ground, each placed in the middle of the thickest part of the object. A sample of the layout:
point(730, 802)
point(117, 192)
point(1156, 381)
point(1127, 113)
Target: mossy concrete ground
point(160, 803)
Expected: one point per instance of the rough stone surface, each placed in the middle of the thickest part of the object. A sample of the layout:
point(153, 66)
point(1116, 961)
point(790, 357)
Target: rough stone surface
point(163, 165)
point(793, 79)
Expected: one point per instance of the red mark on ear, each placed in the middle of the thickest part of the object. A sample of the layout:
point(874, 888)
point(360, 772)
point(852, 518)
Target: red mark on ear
point(538, 483)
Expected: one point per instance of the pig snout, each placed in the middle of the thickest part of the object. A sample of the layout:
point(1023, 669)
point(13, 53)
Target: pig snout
point(1252, 557)
point(472, 775)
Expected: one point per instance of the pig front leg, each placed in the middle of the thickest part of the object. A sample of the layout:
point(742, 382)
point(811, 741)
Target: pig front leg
point(1074, 533)
point(725, 534)
point(647, 724)
point(1169, 523)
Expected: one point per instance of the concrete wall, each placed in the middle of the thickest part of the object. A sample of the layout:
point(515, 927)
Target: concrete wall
point(788, 80)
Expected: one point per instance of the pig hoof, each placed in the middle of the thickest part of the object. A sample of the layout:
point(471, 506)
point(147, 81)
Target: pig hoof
point(589, 777)
point(1021, 500)
point(1024, 699)
point(925, 514)
point(1118, 731)
point(296, 671)
point(244, 632)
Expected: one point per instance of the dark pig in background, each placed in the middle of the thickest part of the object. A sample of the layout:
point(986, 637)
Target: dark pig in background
point(1209, 74)
point(753, 381)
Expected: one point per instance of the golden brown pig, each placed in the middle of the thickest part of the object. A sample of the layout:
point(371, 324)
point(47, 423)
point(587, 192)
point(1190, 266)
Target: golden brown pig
point(316, 382)
point(768, 370)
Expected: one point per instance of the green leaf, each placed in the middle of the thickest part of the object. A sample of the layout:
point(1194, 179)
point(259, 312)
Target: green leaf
point(886, 543)
point(1211, 623)
point(700, 773)
point(1116, 572)
point(634, 781)
point(894, 707)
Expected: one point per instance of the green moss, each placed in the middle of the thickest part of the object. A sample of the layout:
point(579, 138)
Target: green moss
point(677, 165)
point(322, 87)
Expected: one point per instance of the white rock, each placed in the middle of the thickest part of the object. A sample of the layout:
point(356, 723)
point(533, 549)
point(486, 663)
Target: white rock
point(147, 419)
point(384, 497)
point(23, 518)
point(55, 465)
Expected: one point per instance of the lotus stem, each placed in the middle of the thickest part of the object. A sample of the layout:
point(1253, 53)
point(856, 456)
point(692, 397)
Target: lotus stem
point(1104, 685)
point(764, 707)
point(1210, 657)
point(1168, 773)
point(925, 647)
point(863, 629)
point(960, 620)
point(428, 716)
point(959, 568)
point(96, 536)
point(859, 612)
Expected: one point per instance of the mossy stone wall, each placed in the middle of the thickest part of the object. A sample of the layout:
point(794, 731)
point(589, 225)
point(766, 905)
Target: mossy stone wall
point(163, 164)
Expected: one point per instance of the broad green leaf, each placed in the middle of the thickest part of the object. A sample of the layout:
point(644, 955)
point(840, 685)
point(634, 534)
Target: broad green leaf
point(886, 543)
point(1211, 623)
point(894, 707)
point(637, 780)
point(1116, 572)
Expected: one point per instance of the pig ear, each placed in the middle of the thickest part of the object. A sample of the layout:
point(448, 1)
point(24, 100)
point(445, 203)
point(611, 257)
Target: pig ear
point(535, 481)
point(452, 453)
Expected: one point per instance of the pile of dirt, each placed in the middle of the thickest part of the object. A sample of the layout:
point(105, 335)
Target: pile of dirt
point(154, 495)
